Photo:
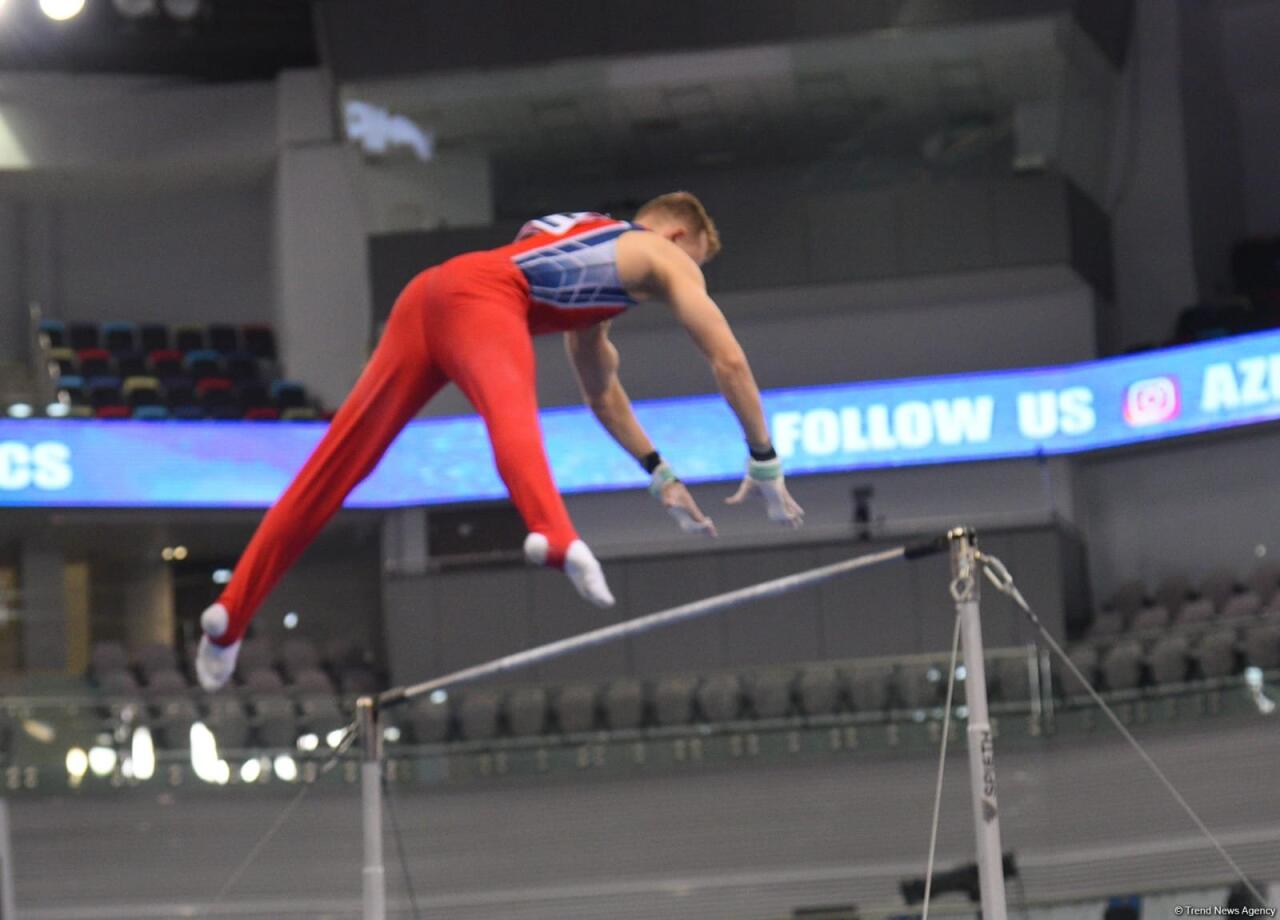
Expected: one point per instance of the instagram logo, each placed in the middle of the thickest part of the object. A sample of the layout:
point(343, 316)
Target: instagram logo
point(1152, 401)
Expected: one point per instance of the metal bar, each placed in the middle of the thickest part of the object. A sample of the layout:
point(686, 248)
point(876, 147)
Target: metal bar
point(7, 910)
point(375, 873)
point(683, 612)
point(986, 813)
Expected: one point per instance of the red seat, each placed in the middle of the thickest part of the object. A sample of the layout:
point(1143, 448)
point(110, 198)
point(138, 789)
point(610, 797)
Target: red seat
point(263, 414)
point(213, 385)
point(113, 412)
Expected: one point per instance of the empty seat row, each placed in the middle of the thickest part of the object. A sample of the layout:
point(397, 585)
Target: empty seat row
point(119, 337)
point(172, 393)
point(1194, 614)
point(94, 362)
point(1218, 589)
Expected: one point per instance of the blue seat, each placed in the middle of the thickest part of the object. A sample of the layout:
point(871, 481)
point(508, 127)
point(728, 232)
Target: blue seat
point(287, 394)
point(104, 391)
point(223, 338)
point(73, 386)
point(150, 413)
point(188, 413)
point(53, 333)
point(82, 335)
point(119, 336)
point(155, 337)
point(203, 363)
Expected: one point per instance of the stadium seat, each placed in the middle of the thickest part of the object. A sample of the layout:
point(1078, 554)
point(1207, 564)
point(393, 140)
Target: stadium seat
point(105, 391)
point(1106, 623)
point(153, 337)
point(113, 413)
point(300, 415)
point(1122, 666)
point(527, 711)
point(132, 364)
point(228, 722)
point(72, 389)
point(174, 716)
point(624, 704)
point(178, 391)
point(1241, 606)
point(214, 391)
point(818, 689)
point(429, 720)
point(189, 338)
point(253, 395)
point(53, 333)
point(155, 657)
point(241, 367)
point(1262, 645)
point(202, 363)
point(869, 687)
point(165, 363)
point(478, 715)
point(673, 699)
point(277, 721)
point(119, 337)
point(262, 414)
point(719, 698)
point(1196, 613)
point(1215, 654)
point(187, 413)
point(118, 683)
point(1172, 592)
point(263, 680)
point(168, 682)
point(1127, 598)
point(259, 341)
point(223, 338)
point(1085, 658)
point(920, 685)
point(287, 394)
point(1169, 660)
point(107, 655)
point(83, 335)
point(1150, 618)
point(358, 679)
point(94, 362)
point(80, 412)
point(1217, 586)
point(1265, 581)
point(1015, 679)
point(141, 391)
point(151, 413)
point(256, 653)
point(299, 653)
point(312, 681)
point(575, 707)
point(322, 714)
point(62, 362)
point(769, 692)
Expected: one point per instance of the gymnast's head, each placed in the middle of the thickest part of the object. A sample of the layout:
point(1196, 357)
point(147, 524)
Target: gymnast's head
point(681, 218)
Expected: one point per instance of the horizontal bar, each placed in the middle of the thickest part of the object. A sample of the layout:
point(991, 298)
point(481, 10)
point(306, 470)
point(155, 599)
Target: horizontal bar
point(689, 611)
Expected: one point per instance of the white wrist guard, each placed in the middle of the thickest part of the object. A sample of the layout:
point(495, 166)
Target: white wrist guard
point(658, 479)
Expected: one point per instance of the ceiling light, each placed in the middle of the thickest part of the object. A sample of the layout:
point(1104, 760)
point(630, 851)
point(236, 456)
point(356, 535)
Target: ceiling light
point(290, 620)
point(102, 760)
point(61, 10)
point(251, 771)
point(56, 409)
point(143, 751)
point(77, 763)
point(179, 553)
point(286, 768)
point(20, 410)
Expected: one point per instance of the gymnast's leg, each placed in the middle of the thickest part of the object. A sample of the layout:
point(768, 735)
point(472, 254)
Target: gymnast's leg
point(399, 378)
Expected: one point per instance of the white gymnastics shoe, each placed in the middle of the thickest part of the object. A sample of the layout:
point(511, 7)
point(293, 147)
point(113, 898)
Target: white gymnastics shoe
point(579, 564)
point(215, 663)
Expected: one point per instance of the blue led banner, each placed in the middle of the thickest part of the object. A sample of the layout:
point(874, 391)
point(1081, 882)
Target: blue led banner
point(1057, 410)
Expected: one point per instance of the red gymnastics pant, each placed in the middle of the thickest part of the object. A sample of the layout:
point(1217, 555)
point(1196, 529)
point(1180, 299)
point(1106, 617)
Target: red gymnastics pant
point(466, 321)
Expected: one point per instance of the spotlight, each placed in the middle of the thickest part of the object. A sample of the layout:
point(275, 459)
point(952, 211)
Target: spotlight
point(286, 768)
point(334, 738)
point(167, 554)
point(20, 410)
point(143, 751)
point(77, 763)
point(391, 733)
point(290, 620)
point(1253, 680)
point(179, 553)
point(439, 697)
point(221, 576)
point(61, 10)
point(308, 742)
point(56, 409)
point(102, 760)
point(250, 771)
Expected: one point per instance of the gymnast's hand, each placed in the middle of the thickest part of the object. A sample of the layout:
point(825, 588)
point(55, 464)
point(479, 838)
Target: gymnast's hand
point(764, 478)
point(666, 488)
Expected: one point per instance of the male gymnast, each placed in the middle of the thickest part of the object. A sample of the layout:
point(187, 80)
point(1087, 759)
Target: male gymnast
point(471, 320)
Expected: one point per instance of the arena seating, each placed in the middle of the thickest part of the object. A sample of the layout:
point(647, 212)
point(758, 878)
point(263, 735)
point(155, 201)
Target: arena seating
point(151, 372)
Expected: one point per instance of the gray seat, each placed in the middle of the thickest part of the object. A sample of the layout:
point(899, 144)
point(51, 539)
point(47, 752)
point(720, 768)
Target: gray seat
point(1241, 606)
point(430, 720)
point(1262, 645)
point(358, 679)
point(818, 689)
point(1217, 586)
point(322, 714)
point(173, 720)
point(1172, 592)
point(1127, 598)
point(256, 654)
point(624, 704)
point(298, 653)
point(263, 680)
point(1196, 613)
point(118, 682)
point(673, 698)
point(156, 657)
point(1106, 623)
point(312, 681)
point(277, 721)
point(1216, 653)
point(1014, 677)
point(342, 652)
point(1086, 659)
point(1149, 618)
point(527, 711)
point(770, 692)
point(1122, 666)
point(921, 685)
point(1265, 580)
point(869, 687)
point(167, 683)
point(478, 715)
point(720, 697)
point(231, 728)
point(1169, 660)
point(576, 708)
